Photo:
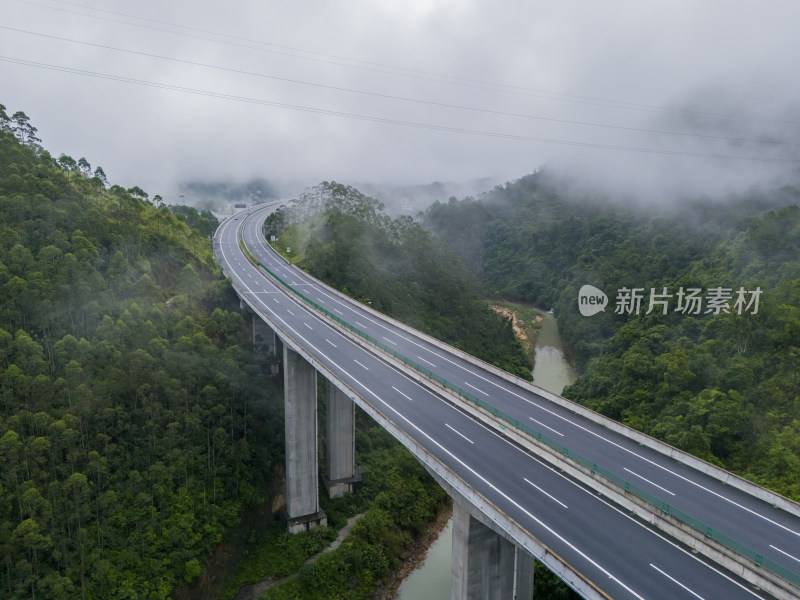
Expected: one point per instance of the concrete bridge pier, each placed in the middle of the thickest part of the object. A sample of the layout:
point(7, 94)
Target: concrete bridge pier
point(485, 565)
point(341, 437)
point(300, 402)
point(264, 339)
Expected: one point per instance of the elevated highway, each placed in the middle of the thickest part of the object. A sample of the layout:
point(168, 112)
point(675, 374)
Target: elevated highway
point(494, 442)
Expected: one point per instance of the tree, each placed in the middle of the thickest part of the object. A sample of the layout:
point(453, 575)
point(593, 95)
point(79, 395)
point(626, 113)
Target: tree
point(67, 163)
point(84, 167)
point(138, 192)
point(23, 129)
point(100, 175)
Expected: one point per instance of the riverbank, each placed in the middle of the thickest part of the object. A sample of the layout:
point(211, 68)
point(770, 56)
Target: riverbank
point(526, 321)
point(416, 555)
point(537, 331)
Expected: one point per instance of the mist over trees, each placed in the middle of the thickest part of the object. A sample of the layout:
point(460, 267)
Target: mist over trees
point(135, 426)
point(344, 238)
point(220, 195)
point(723, 384)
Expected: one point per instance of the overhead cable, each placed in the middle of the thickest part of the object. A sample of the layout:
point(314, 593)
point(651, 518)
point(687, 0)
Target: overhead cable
point(397, 122)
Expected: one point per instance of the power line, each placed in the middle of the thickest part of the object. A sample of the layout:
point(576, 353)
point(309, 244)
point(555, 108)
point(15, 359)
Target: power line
point(397, 71)
point(383, 120)
point(402, 98)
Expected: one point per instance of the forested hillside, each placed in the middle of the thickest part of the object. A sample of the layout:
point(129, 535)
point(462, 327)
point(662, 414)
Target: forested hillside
point(135, 425)
point(720, 383)
point(130, 435)
point(344, 238)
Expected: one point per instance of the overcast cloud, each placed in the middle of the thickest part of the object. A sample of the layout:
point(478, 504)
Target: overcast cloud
point(548, 82)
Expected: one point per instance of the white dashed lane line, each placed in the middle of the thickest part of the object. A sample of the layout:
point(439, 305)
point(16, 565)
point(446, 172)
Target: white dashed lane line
point(665, 469)
point(663, 489)
point(546, 426)
point(553, 498)
point(476, 389)
point(784, 553)
point(402, 394)
point(453, 429)
point(671, 578)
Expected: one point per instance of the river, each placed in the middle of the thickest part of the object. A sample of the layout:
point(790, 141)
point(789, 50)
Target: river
point(550, 369)
point(431, 581)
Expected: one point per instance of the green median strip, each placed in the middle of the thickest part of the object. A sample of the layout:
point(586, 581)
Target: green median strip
point(664, 507)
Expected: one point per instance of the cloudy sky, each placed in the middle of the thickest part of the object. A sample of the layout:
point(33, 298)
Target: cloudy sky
point(652, 94)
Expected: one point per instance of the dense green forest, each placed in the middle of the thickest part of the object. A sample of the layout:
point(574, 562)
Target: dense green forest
point(136, 429)
point(130, 435)
point(135, 426)
point(344, 238)
point(723, 383)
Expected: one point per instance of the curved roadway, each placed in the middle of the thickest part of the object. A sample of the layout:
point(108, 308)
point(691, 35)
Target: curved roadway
point(621, 557)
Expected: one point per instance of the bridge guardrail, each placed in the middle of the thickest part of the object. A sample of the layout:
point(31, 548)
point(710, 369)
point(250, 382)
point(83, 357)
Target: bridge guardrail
point(697, 524)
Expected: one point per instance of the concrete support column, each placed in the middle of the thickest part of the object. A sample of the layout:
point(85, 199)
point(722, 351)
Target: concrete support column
point(485, 565)
point(263, 338)
point(524, 574)
point(300, 401)
point(341, 442)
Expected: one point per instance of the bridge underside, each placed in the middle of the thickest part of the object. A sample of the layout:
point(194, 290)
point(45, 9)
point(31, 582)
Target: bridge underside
point(485, 564)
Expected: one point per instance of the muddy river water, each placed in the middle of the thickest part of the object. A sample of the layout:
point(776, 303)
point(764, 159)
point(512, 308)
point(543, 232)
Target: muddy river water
point(431, 581)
